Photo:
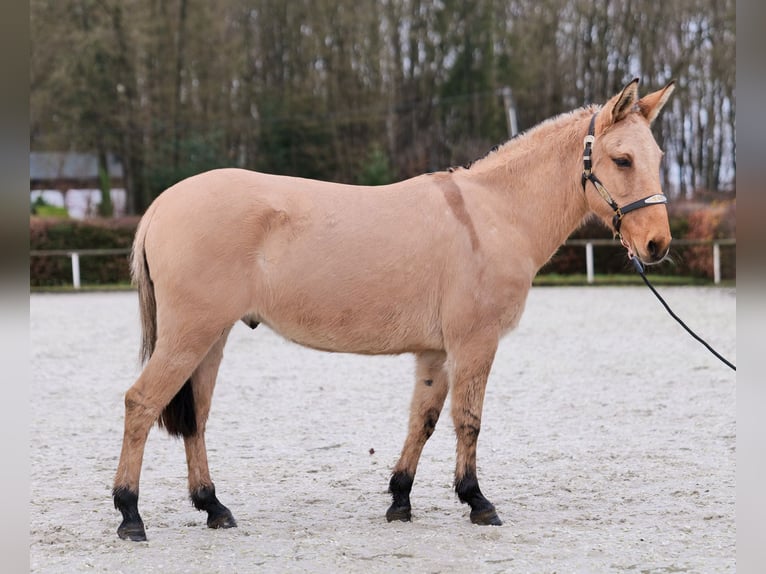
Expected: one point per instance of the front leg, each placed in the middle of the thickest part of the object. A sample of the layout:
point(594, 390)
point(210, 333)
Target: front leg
point(431, 388)
point(469, 373)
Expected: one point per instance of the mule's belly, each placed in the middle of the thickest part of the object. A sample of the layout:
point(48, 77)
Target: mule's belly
point(346, 325)
point(353, 283)
point(358, 342)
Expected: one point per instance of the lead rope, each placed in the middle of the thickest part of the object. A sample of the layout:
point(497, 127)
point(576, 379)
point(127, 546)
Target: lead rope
point(588, 175)
point(640, 268)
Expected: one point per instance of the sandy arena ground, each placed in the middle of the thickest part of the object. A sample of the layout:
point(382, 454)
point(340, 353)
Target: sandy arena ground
point(607, 445)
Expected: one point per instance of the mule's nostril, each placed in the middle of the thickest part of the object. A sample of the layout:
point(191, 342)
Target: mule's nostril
point(656, 250)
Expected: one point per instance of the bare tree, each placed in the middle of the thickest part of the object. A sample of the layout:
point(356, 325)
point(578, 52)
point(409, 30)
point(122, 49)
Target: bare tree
point(322, 88)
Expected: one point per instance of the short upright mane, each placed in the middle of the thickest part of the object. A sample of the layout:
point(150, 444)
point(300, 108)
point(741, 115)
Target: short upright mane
point(525, 136)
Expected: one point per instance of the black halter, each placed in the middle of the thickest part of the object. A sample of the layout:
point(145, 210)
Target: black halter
point(588, 175)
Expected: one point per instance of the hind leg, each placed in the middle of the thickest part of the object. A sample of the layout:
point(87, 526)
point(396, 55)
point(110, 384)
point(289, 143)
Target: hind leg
point(173, 361)
point(201, 487)
point(431, 387)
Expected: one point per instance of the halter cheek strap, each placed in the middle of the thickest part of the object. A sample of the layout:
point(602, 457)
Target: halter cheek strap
point(588, 175)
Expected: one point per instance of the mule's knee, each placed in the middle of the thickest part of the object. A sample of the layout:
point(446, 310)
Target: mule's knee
point(468, 431)
point(429, 422)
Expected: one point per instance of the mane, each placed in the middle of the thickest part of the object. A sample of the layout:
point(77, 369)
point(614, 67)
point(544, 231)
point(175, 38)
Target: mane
point(522, 139)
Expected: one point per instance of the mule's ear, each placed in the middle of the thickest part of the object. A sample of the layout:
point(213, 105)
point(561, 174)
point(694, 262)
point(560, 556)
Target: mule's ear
point(620, 105)
point(651, 104)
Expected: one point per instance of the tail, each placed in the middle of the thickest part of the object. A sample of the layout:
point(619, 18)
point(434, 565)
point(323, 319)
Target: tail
point(139, 272)
point(178, 418)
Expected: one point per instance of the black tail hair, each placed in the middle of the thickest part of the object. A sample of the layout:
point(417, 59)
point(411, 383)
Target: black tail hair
point(178, 418)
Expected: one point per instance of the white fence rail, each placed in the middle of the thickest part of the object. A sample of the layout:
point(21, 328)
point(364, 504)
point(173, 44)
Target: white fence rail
point(714, 243)
point(588, 244)
point(75, 254)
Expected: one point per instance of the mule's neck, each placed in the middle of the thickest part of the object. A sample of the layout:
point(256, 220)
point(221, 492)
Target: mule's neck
point(537, 176)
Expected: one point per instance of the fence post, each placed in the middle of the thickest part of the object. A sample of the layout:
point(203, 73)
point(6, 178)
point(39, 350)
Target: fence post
point(75, 269)
point(589, 261)
point(716, 263)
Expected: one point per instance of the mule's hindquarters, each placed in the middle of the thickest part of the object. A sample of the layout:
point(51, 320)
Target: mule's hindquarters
point(182, 357)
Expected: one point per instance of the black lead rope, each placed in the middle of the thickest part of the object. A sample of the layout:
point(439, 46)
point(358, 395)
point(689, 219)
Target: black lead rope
point(619, 212)
point(640, 268)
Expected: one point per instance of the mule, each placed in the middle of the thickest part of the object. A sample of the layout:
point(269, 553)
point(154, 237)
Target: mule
point(438, 265)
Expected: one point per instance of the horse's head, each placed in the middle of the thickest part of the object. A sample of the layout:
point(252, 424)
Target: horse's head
point(626, 160)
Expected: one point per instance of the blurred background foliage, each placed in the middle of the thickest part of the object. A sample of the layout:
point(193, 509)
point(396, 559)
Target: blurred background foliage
point(367, 91)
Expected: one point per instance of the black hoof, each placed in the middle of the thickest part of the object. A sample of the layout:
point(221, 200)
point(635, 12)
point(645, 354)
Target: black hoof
point(132, 531)
point(401, 513)
point(132, 527)
point(218, 516)
point(400, 487)
point(486, 517)
point(482, 510)
point(222, 518)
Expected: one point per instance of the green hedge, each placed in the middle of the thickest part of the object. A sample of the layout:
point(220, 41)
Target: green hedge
point(55, 234)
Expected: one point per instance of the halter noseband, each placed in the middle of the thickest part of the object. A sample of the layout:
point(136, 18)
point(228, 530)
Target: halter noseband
point(588, 175)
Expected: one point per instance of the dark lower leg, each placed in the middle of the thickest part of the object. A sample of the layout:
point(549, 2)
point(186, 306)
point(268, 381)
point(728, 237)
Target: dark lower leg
point(467, 402)
point(400, 486)
point(218, 516)
point(466, 482)
point(427, 401)
point(132, 527)
point(482, 510)
point(138, 420)
point(201, 488)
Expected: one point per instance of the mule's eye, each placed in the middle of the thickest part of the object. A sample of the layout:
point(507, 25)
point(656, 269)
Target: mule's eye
point(622, 161)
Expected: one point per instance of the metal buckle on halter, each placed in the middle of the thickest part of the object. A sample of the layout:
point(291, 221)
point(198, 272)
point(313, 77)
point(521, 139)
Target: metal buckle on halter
point(617, 221)
point(656, 198)
point(587, 165)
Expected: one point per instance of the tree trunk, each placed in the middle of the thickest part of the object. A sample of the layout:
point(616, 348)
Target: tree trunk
point(106, 207)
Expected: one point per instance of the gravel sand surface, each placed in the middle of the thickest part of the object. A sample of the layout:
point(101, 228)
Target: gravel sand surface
point(607, 445)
